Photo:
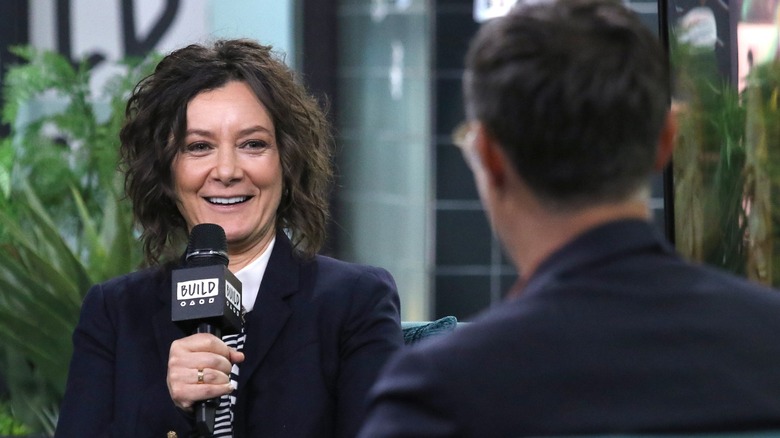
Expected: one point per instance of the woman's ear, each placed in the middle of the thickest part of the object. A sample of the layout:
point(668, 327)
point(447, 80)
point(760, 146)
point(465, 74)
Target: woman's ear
point(667, 139)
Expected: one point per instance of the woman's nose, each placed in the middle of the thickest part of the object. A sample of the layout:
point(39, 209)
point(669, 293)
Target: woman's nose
point(227, 168)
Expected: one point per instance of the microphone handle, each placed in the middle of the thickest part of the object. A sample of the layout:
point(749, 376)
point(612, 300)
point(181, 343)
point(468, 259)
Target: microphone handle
point(206, 410)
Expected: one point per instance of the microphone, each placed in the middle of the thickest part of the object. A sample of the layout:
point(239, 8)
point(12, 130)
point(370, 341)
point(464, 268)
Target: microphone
point(206, 298)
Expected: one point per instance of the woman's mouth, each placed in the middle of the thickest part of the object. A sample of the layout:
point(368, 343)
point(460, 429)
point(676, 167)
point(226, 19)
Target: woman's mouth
point(227, 201)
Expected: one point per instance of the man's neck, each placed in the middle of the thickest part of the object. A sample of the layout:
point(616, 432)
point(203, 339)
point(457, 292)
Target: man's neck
point(538, 233)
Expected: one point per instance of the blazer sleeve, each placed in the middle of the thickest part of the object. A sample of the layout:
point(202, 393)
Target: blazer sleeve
point(371, 334)
point(116, 381)
point(87, 408)
point(411, 399)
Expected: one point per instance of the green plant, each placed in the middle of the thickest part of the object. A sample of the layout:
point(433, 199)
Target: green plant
point(709, 162)
point(64, 225)
point(726, 176)
point(9, 425)
point(762, 195)
point(63, 135)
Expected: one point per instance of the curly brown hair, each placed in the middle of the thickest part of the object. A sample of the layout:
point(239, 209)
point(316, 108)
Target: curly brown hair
point(155, 126)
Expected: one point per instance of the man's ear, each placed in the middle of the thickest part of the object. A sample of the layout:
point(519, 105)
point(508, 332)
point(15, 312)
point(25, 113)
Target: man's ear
point(491, 157)
point(667, 140)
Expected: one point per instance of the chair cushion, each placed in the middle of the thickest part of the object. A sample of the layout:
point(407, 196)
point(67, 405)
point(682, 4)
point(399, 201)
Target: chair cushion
point(415, 331)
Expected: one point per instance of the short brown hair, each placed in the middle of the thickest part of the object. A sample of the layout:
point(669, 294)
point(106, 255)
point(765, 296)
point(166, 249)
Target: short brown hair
point(576, 92)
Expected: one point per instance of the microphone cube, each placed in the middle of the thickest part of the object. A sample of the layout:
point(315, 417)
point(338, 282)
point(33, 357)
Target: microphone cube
point(206, 294)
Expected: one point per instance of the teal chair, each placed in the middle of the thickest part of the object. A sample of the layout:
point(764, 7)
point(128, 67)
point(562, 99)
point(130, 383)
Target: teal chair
point(415, 331)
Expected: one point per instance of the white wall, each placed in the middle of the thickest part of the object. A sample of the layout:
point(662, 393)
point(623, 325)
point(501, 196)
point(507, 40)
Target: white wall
point(96, 25)
point(268, 21)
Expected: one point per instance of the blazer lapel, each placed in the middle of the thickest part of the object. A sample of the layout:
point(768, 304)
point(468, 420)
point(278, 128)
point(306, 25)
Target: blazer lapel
point(267, 319)
point(264, 323)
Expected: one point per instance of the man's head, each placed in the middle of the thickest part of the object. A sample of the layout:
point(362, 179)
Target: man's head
point(575, 92)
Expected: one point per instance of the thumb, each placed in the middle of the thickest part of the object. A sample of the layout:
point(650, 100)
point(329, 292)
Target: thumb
point(236, 356)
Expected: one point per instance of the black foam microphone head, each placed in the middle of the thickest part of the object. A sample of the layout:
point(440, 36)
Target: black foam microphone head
point(204, 290)
point(207, 246)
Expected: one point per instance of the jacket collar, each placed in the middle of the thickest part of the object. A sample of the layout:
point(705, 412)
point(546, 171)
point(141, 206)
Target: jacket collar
point(610, 240)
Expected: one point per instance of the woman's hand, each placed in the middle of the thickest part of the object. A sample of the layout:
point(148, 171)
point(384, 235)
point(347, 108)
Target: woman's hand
point(199, 369)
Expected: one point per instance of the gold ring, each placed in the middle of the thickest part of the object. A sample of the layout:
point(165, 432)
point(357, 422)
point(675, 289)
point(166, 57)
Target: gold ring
point(200, 376)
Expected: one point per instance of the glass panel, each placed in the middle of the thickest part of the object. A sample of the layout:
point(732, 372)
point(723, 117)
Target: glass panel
point(727, 161)
point(383, 140)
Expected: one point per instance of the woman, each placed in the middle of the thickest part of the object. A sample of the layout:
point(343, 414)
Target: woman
point(225, 135)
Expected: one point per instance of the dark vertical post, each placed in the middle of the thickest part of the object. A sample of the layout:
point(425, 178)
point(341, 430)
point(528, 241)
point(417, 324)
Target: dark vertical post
point(668, 175)
point(14, 30)
point(317, 25)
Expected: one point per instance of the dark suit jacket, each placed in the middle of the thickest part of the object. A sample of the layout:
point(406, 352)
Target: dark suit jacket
point(614, 333)
point(316, 339)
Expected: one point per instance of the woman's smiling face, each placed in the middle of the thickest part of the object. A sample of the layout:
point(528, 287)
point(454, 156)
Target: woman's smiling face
point(229, 171)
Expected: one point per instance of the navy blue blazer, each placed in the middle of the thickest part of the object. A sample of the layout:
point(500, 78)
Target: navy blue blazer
point(614, 333)
point(319, 333)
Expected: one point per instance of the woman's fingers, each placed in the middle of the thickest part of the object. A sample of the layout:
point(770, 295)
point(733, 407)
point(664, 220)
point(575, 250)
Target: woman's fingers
point(199, 368)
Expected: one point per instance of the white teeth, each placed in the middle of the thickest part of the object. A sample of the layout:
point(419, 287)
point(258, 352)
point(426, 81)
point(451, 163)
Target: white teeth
point(227, 201)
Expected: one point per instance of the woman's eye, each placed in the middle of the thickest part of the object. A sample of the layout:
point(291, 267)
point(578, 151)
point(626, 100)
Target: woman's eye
point(197, 147)
point(255, 144)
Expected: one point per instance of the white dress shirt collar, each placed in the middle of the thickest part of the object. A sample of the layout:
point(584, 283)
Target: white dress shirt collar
point(251, 276)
